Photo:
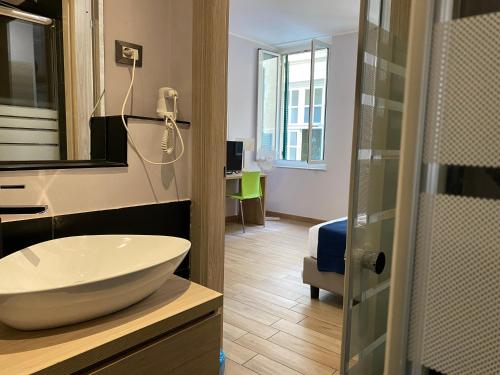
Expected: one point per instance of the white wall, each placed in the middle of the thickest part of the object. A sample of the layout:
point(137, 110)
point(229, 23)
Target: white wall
point(324, 194)
point(307, 193)
point(167, 61)
point(242, 91)
point(164, 29)
point(242, 100)
point(78, 190)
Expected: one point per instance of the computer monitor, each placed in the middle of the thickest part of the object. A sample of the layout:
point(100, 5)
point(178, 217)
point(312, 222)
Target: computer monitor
point(234, 158)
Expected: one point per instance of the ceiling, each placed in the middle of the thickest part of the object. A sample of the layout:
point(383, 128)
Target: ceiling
point(277, 22)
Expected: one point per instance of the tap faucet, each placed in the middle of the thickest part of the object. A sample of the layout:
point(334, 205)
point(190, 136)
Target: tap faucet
point(20, 209)
point(23, 210)
point(17, 210)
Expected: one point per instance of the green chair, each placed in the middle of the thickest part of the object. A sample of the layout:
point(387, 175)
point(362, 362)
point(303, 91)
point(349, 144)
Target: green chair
point(250, 189)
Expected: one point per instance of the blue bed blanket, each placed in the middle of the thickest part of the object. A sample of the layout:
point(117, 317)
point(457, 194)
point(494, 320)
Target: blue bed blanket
point(331, 247)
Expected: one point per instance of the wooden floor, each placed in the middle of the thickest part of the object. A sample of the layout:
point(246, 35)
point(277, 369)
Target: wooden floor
point(271, 326)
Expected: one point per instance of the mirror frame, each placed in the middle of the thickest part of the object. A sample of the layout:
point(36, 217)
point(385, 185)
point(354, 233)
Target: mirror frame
point(61, 164)
point(79, 70)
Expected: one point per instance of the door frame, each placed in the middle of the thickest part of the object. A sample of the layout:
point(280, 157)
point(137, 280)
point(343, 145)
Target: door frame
point(419, 50)
point(209, 135)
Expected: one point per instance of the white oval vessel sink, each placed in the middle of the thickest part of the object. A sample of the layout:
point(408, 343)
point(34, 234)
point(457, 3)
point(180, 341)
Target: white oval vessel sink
point(73, 279)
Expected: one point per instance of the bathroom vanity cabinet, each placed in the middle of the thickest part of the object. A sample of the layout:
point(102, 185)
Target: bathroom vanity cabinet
point(176, 330)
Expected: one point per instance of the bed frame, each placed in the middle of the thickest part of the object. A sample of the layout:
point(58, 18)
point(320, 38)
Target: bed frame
point(330, 281)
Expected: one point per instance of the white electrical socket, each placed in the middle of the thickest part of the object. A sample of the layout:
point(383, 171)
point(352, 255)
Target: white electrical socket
point(130, 53)
point(126, 53)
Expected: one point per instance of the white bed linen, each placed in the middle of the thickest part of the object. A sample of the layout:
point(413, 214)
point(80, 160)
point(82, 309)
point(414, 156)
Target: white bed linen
point(312, 242)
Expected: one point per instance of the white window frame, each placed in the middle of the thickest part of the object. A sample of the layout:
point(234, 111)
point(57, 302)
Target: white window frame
point(310, 163)
point(323, 117)
point(259, 156)
point(297, 107)
point(315, 45)
point(298, 143)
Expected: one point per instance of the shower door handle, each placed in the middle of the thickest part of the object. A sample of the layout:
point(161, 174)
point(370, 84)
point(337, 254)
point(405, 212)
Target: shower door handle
point(370, 260)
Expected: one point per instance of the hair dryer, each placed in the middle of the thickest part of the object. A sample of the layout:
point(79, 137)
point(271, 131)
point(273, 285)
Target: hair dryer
point(168, 95)
point(164, 94)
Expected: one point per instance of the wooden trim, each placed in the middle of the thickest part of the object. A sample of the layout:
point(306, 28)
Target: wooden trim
point(98, 55)
point(209, 128)
point(304, 219)
point(68, 76)
point(83, 92)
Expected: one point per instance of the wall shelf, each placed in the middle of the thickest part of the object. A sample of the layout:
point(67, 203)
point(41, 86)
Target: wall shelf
point(157, 119)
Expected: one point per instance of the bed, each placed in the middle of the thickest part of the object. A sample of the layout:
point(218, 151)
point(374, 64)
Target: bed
point(328, 274)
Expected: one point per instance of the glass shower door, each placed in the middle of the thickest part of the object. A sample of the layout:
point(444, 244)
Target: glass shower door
point(374, 180)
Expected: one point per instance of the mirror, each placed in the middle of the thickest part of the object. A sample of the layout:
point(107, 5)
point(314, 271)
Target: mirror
point(51, 80)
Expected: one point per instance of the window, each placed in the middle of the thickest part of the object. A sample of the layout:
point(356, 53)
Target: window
point(318, 106)
point(306, 106)
point(294, 106)
point(299, 127)
point(293, 145)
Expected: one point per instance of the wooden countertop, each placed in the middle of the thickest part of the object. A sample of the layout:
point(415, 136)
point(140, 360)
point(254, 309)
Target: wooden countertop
point(74, 347)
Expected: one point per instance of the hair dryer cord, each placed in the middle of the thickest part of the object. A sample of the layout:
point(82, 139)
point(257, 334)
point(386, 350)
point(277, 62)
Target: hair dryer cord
point(170, 124)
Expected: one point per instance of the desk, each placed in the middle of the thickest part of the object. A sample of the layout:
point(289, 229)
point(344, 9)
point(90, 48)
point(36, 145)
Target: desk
point(251, 207)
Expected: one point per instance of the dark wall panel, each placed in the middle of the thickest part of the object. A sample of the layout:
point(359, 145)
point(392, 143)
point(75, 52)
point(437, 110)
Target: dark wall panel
point(468, 8)
point(165, 219)
point(17, 235)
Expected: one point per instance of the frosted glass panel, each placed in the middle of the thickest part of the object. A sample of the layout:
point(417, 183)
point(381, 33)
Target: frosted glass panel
point(455, 297)
point(381, 103)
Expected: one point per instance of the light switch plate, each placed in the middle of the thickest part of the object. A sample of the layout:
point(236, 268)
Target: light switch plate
point(120, 59)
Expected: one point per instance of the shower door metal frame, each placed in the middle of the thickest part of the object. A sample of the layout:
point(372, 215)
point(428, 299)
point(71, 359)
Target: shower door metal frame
point(412, 139)
point(346, 320)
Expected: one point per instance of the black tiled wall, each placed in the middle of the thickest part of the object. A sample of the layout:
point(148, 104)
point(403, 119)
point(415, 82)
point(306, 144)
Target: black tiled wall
point(165, 219)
